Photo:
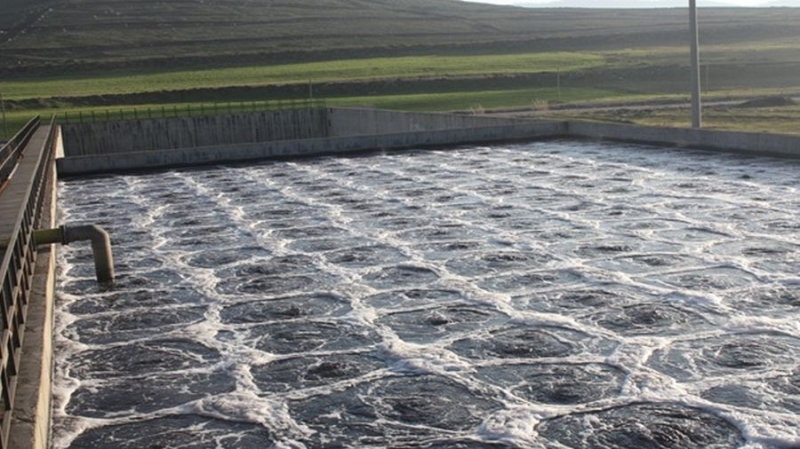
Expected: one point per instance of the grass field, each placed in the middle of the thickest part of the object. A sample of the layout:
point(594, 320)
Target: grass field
point(54, 36)
point(476, 101)
point(349, 70)
point(755, 54)
point(470, 100)
point(767, 119)
point(87, 56)
point(783, 120)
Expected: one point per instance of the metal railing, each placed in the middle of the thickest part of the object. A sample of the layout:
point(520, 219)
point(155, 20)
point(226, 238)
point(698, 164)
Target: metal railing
point(19, 257)
point(187, 110)
point(11, 150)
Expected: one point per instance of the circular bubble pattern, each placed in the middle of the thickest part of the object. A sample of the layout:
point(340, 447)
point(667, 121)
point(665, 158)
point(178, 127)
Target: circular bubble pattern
point(657, 426)
point(553, 294)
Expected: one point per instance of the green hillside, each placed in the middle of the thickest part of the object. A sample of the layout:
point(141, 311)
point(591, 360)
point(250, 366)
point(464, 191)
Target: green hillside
point(65, 36)
point(90, 56)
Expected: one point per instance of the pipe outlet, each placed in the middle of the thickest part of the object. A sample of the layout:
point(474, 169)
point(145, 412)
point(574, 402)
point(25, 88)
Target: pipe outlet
point(101, 245)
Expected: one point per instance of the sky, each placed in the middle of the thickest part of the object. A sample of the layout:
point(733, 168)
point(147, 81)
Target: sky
point(591, 2)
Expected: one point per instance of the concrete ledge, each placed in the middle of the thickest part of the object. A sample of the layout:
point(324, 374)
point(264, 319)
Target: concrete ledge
point(471, 131)
point(348, 122)
point(30, 426)
point(86, 139)
point(763, 144)
point(311, 147)
point(127, 136)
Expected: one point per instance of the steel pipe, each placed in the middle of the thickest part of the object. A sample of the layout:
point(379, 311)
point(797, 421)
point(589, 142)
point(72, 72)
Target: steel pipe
point(101, 245)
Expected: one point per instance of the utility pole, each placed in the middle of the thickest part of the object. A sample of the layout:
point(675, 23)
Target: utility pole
point(697, 120)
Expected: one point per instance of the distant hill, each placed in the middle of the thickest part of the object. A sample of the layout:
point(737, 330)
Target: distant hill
point(620, 4)
point(785, 3)
point(18, 14)
point(46, 37)
point(633, 4)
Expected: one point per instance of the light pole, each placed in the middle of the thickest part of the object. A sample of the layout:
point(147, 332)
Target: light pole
point(697, 120)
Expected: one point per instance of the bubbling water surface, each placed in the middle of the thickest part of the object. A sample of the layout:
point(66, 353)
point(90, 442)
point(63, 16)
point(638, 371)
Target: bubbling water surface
point(552, 294)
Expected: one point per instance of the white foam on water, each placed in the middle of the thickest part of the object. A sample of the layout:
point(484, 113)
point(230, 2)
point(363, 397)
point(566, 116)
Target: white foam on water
point(272, 287)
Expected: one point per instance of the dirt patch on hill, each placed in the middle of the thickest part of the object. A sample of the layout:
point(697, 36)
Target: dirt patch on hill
point(769, 102)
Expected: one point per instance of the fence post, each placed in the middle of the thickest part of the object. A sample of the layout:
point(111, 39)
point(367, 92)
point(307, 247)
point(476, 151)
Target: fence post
point(558, 84)
point(121, 115)
point(5, 123)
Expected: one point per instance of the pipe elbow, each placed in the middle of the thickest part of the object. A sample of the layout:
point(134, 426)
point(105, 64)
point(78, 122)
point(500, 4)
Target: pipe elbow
point(99, 238)
point(101, 247)
point(93, 233)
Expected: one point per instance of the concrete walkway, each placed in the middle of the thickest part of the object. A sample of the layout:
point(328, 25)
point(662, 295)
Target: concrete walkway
point(30, 425)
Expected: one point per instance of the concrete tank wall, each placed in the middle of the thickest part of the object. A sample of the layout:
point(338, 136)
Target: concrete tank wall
point(727, 141)
point(310, 147)
point(82, 139)
point(204, 140)
point(367, 122)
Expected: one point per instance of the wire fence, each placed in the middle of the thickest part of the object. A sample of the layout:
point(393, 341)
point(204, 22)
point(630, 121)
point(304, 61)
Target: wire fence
point(186, 110)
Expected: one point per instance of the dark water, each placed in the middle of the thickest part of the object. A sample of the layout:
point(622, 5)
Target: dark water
point(555, 294)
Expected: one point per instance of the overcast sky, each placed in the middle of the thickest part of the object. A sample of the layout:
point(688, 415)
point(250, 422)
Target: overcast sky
point(593, 2)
